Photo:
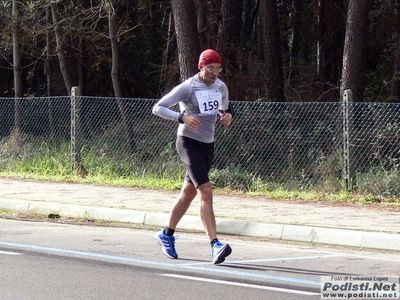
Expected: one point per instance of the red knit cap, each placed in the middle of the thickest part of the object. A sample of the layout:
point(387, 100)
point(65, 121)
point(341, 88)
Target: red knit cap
point(209, 56)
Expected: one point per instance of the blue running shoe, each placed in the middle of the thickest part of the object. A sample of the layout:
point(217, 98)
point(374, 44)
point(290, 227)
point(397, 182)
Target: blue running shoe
point(219, 252)
point(167, 244)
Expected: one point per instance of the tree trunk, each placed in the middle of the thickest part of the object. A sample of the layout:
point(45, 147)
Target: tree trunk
point(272, 51)
point(229, 33)
point(228, 43)
point(81, 67)
point(353, 70)
point(249, 15)
point(202, 22)
point(295, 39)
point(330, 37)
point(395, 92)
point(60, 49)
point(171, 40)
point(229, 30)
point(16, 51)
point(114, 50)
point(49, 73)
point(186, 36)
point(122, 105)
point(169, 72)
point(82, 61)
point(247, 23)
point(17, 68)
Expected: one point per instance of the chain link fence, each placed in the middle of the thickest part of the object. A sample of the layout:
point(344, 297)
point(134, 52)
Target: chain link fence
point(291, 146)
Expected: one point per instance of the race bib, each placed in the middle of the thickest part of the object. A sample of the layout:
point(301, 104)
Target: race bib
point(209, 102)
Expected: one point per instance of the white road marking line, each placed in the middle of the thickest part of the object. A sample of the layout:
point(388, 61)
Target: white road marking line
point(10, 253)
point(284, 258)
point(197, 266)
point(269, 259)
point(254, 286)
point(158, 263)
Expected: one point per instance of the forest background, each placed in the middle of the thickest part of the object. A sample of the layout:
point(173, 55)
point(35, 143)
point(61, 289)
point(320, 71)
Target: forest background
point(289, 66)
point(278, 51)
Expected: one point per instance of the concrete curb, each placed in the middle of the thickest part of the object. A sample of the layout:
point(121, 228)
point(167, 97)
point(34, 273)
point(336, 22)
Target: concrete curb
point(286, 232)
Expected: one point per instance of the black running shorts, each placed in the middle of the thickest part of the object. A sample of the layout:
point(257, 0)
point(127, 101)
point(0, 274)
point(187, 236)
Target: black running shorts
point(197, 157)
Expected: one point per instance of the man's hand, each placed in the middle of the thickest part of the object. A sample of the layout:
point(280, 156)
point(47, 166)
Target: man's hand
point(226, 119)
point(191, 122)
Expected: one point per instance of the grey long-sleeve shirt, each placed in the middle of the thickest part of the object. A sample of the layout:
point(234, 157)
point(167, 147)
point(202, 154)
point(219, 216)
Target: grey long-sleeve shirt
point(197, 99)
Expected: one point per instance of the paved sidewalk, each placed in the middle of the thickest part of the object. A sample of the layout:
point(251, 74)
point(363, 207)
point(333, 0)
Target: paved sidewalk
point(348, 225)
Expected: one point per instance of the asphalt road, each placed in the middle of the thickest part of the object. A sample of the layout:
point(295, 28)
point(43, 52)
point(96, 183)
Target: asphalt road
point(54, 260)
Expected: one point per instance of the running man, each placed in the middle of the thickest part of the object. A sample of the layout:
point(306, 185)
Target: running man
point(202, 99)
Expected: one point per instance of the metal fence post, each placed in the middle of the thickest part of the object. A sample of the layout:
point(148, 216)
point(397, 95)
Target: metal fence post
point(75, 127)
point(348, 163)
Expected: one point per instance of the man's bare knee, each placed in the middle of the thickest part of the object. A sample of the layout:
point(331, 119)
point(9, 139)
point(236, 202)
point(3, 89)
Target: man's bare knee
point(205, 191)
point(188, 192)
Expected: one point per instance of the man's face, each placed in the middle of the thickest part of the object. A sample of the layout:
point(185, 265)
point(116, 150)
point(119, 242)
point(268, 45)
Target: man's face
point(210, 72)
